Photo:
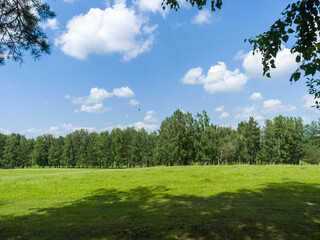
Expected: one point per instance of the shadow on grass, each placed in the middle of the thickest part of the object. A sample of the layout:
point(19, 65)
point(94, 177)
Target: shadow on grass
point(275, 211)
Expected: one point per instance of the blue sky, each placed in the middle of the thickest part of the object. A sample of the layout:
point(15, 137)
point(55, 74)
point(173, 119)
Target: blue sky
point(112, 58)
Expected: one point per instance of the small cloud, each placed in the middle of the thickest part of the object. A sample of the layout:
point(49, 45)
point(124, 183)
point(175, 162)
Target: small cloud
point(51, 23)
point(275, 105)
point(224, 115)
point(96, 95)
point(219, 109)
point(218, 79)
point(123, 92)
point(150, 117)
point(133, 102)
point(244, 113)
point(96, 108)
point(310, 102)
point(203, 17)
point(256, 96)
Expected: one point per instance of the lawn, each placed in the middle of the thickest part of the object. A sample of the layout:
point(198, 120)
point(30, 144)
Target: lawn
point(195, 202)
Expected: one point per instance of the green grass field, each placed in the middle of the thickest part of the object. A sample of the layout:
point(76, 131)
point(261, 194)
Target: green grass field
point(208, 202)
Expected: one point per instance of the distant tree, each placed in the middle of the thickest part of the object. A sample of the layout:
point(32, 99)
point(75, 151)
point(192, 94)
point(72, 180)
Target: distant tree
point(41, 149)
point(3, 139)
point(118, 147)
point(251, 136)
point(56, 152)
point(70, 151)
point(107, 153)
point(11, 156)
point(94, 150)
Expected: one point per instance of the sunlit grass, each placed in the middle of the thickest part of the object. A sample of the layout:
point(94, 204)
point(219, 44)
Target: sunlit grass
point(198, 202)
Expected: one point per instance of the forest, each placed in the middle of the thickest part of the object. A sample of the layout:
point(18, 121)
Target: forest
point(183, 139)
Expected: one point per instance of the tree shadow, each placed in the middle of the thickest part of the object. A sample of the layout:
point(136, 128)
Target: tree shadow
point(275, 211)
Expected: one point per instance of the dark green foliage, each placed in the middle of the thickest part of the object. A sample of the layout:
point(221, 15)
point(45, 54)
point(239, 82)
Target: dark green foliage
point(174, 4)
point(20, 30)
point(301, 21)
point(182, 140)
point(41, 149)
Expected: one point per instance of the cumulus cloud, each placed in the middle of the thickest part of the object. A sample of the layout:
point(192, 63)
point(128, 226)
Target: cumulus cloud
point(203, 17)
point(123, 92)
point(285, 64)
point(133, 102)
point(244, 113)
point(218, 79)
point(53, 24)
point(310, 102)
point(93, 103)
point(96, 95)
point(224, 115)
point(275, 105)
point(96, 108)
point(256, 96)
point(116, 29)
point(219, 109)
point(150, 117)
point(149, 5)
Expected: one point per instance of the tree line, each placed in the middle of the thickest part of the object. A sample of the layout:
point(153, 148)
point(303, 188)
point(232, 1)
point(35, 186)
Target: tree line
point(183, 139)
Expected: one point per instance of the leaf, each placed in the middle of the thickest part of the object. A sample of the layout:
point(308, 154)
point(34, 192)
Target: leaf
point(295, 76)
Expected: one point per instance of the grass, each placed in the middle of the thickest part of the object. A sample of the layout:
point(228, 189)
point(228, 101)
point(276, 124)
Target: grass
point(198, 202)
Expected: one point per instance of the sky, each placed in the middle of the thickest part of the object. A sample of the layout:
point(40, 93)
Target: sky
point(130, 63)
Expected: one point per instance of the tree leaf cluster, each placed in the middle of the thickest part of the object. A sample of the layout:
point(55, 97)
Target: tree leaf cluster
point(20, 29)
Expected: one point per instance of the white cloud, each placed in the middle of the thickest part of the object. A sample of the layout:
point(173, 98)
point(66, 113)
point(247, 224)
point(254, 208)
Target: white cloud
point(93, 103)
point(123, 92)
point(5, 131)
point(51, 23)
point(202, 17)
point(150, 123)
point(244, 113)
point(219, 109)
point(69, 1)
point(96, 108)
point(150, 117)
point(96, 95)
point(275, 105)
point(310, 102)
point(59, 130)
point(149, 5)
point(133, 102)
point(218, 79)
point(150, 127)
point(224, 115)
point(193, 76)
point(285, 64)
point(117, 29)
point(256, 96)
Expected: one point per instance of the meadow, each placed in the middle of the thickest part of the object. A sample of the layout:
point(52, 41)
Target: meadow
point(194, 202)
